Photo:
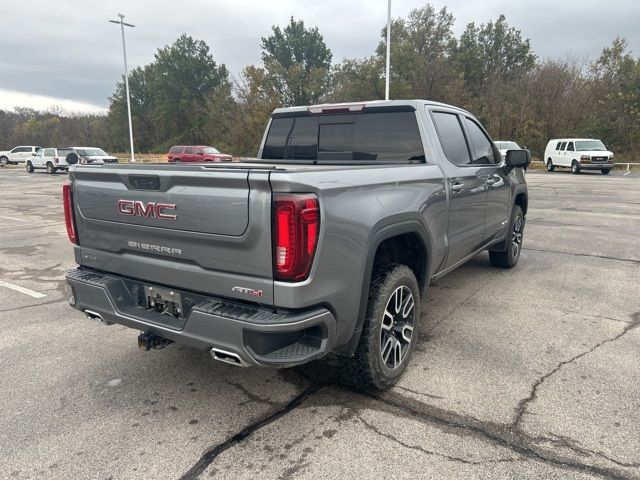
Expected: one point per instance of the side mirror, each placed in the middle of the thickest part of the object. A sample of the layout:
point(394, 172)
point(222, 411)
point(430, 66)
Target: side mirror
point(518, 158)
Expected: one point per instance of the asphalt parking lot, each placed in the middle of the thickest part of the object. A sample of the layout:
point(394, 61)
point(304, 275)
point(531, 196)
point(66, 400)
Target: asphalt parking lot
point(527, 373)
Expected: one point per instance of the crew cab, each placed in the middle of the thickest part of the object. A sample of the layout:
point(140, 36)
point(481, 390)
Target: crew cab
point(578, 154)
point(196, 153)
point(326, 242)
point(17, 155)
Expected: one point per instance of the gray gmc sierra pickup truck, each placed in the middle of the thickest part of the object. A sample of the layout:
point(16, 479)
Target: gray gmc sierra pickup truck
point(324, 243)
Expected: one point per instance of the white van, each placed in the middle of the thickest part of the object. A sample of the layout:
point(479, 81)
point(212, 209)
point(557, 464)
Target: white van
point(52, 159)
point(578, 154)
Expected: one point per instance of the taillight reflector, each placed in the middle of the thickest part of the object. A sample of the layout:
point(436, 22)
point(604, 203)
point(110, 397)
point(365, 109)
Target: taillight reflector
point(296, 227)
point(67, 199)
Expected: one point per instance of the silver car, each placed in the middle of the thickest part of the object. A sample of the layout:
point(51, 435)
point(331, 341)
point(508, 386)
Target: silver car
point(93, 155)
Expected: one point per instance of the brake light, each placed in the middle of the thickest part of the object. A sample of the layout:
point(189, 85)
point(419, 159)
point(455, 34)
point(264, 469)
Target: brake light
point(56, 159)
point(339, 108)
point(67, 199)
point(296, 227)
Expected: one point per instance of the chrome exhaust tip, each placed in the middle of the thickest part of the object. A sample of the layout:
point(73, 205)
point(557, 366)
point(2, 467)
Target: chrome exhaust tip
point(227, 357)
point(91, 315)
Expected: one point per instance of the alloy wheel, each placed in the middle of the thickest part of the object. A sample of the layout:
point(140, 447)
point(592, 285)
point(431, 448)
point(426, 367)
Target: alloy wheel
point(516, 237)
point(397, 327)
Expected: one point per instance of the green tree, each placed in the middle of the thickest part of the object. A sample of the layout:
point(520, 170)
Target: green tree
point(493, 50)
point(358, 80)
point(168, 97)
point(297, 63)
point(421, 47)
point(616, 86)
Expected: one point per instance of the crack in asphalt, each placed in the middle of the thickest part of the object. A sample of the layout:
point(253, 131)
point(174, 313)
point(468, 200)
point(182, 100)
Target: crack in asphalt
point(210, 455)
point(496, 434)
point(419, 448)
point(572, 444)
point(33, 305)
point(630, 260)
point(522, 405)
point(252, 397)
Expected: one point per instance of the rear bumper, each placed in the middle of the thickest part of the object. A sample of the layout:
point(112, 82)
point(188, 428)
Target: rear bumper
point(258, 336)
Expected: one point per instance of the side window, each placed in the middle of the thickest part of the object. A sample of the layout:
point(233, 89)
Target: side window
point(483, 153)
point(174, 150)
point(39, 153)
point(198, 151)
point(50, 152)
point(570, 147)
point(558, 145)
point(562, 145)
point(188, 150)
point(21, 150)
point(452, 138)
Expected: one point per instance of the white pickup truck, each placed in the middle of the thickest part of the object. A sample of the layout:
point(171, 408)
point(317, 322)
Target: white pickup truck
point(19, 154)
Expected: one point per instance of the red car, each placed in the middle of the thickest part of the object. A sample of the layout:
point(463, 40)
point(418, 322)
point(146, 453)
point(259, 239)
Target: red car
point(197, 153)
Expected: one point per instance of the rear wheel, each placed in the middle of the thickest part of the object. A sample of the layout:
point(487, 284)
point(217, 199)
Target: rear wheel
point(550, 166)
point(509, 257)
point(575, 167)
point(605, 171)
point(30, 168)
point(389, 331)
point(50, 168)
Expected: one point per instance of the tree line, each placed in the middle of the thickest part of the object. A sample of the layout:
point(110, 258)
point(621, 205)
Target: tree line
point(185, 97)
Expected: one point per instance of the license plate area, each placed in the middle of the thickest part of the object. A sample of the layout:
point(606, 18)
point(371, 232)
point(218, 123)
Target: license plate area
point(164, 301)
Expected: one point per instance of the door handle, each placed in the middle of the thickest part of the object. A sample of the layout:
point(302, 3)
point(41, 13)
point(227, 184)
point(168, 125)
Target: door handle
point(457, 187)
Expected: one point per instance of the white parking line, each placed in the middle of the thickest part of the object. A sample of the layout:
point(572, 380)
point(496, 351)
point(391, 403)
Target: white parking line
point(13, 218)
point(26, 291)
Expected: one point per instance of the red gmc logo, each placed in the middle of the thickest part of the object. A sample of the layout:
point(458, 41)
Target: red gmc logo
point(138, 208)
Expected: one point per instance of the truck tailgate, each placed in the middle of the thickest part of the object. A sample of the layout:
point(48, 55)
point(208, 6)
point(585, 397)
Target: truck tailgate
point(192, 227)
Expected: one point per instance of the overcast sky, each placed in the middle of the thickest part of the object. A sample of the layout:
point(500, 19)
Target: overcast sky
point(64, 52)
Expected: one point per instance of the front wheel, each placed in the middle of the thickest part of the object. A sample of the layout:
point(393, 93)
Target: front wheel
point(30, 167)
point(4, 161)
point(509, 257)
point(605, 171)
point(575, 167)
point(390, 329)
point(550, 166)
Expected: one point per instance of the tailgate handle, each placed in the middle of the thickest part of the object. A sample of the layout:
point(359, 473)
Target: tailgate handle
point(145, 182)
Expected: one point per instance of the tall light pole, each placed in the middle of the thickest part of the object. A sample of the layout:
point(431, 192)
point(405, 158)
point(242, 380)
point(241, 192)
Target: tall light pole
point(126, 78)
point(386, 89)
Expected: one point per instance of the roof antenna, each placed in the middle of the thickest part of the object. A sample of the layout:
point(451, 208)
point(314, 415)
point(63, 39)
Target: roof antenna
point(386, 89)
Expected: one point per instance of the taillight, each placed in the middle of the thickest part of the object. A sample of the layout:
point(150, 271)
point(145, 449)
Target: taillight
point(296, 227)
point(56, 159)
point(67, 199)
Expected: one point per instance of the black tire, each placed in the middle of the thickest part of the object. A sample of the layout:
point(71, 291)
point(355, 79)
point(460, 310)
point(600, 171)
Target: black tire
point(509, 257)
point(4, 161)
point(575, 167)
point(550, 166)
point(605, 171)
point(50, 168)
point(383, 353)
point(30, 168)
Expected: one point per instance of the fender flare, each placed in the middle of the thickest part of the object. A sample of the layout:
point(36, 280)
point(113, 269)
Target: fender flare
point(382, 233)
